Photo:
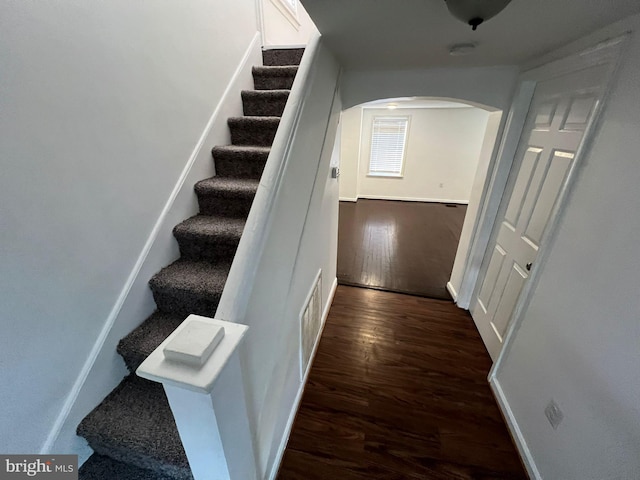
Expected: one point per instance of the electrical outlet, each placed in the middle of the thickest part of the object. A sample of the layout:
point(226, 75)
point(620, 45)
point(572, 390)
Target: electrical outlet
point(553, 414)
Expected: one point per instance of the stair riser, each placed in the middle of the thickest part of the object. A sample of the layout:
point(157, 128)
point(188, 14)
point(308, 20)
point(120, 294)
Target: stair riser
point(134, 351)
point(290, 56)
point(132, 361)
point(127, 456)
point(252, 134)
point(251, 167)
point(201, 250)
point(263, 107)
point(225, 207)
point(261, 82)
point(185, 303)
point(99, 467)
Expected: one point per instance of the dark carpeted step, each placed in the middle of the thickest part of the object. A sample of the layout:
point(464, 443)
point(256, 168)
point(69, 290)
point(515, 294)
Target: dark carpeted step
point(99, 467)
point(240, 161)
point(187, 286)
point(134, 424)
point(229, 197)
point(274, 78)
point(254, 131)
point(264, 103)
point(209, 238)
point(282, 56)
point(139, 344)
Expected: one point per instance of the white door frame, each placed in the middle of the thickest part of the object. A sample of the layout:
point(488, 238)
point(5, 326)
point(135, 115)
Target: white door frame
point(606, 52)
point(494, 189)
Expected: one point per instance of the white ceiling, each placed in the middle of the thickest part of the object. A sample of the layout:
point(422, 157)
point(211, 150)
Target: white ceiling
point(402, 34)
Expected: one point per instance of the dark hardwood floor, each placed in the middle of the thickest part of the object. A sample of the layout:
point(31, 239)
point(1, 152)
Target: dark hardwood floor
point(406, 247)
point(398, 390)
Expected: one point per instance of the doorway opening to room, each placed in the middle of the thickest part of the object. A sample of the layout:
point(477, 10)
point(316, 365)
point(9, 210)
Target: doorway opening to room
point(412, 173)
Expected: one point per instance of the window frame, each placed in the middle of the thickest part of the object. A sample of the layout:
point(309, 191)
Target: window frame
point(289, 9)
point(400, 173)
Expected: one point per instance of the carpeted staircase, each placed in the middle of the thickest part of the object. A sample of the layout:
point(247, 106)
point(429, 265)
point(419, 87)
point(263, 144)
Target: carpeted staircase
point(132, 431)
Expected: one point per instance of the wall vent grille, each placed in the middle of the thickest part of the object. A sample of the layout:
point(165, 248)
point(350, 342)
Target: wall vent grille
point(310, 323)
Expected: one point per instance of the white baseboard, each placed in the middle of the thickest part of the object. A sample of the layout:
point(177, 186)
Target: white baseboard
point(296, 404)
point(452, 291)
point(133, 278)
point(516, 433)
point(348, 199)
point(414, 199)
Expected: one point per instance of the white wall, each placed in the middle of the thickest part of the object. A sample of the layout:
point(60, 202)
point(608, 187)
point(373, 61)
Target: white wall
point(350, 136)
point(280, 26)
point(480, 180)
point(441, 155)
point(101, 107)
point(486, 86)
point(579, 340)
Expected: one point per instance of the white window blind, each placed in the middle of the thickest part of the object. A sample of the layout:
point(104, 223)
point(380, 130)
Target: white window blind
point(387, 145)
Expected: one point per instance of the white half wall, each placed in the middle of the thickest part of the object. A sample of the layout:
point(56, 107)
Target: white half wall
point(281, 26)
point(301, 240)
point(102, 108)
point(579, 340)
point(441, 155)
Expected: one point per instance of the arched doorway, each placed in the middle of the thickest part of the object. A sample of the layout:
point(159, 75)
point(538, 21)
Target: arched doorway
point(413, 171)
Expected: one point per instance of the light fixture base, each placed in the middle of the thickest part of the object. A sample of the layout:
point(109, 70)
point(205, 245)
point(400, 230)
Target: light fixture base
point(475, 12)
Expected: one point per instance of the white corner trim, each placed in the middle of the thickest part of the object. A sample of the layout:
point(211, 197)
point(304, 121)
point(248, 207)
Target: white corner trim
point(115, 311)
point(291, 46)
point(296, 404)
point(516, 433)
point(348, 199)
point(452, 291)
point(327, 305)
point(414, 199)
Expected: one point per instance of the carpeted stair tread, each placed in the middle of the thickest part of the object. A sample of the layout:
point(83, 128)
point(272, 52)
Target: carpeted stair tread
point(139, 344)
point(240, 161)
point(209, 237)
point(210, 228)
point(254, 131)
point(264, 102)
point(188, 286)
point(227, 187)
point(274, 78)
point(228, 197)
point(134, 424)
point(99, 467)
point(282, 56)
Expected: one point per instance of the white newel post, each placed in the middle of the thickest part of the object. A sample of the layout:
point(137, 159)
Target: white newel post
point(199, 367)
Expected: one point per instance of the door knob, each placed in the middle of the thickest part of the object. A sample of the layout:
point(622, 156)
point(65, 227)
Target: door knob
point(529, 265)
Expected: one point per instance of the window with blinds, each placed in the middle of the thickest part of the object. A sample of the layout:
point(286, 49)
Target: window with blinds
point(291, 4)
point(388, 142)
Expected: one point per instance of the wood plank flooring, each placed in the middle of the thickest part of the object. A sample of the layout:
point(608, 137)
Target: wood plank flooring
point(404, 247)
point(398, 390)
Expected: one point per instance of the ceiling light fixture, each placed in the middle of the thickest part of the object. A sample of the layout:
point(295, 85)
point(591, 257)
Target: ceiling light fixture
point(475, 12)
point(462, 49)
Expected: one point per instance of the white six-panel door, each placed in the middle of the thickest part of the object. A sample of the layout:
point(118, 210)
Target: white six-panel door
point(559, 114)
